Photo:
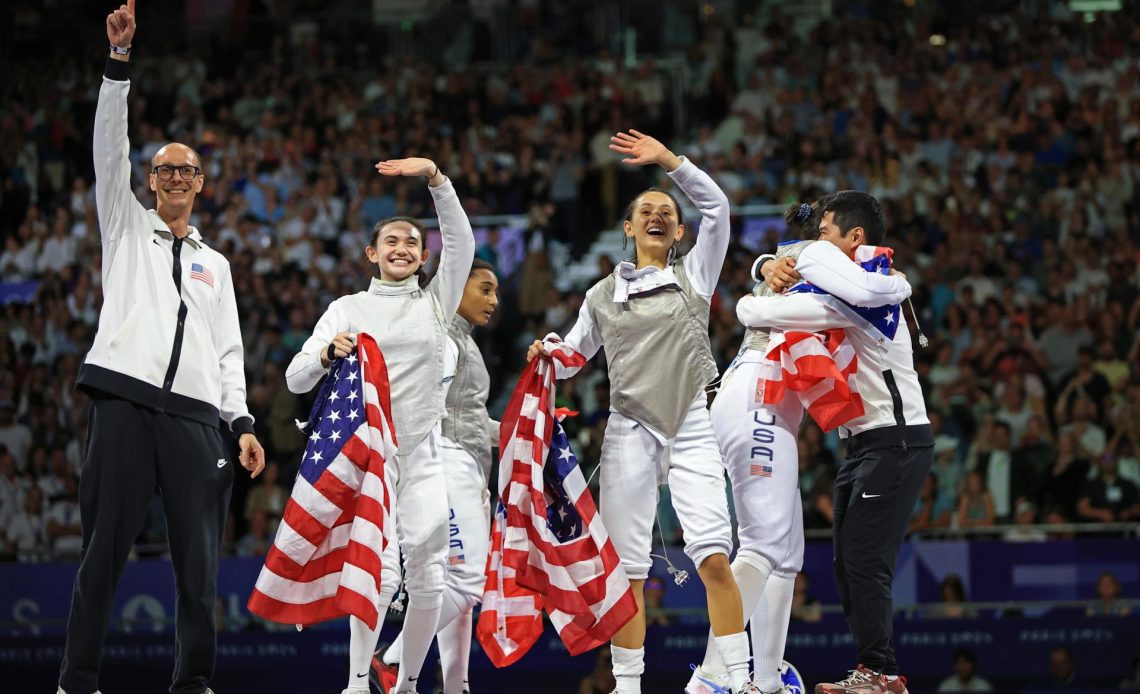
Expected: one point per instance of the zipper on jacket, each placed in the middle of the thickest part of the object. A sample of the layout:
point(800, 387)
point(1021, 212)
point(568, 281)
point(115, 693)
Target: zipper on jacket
point(897, 403)
point(179, 331)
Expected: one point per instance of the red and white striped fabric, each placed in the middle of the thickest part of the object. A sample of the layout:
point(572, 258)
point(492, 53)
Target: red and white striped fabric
point(549, 547)
point(325, 559)
point(819, 368)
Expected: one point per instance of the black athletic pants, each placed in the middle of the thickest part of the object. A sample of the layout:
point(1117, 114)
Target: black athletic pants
point(131, 451)
point(876, 488)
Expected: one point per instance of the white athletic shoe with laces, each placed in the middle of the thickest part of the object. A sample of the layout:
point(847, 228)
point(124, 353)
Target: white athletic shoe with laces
point(702, 682)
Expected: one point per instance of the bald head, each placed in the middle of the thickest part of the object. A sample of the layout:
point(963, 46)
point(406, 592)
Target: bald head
point(176, 154)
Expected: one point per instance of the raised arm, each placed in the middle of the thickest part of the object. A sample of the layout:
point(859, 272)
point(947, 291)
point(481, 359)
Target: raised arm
point(115, 202)
point(703, 263)
point(788, 312)
point(454, 226)
point(828, 268)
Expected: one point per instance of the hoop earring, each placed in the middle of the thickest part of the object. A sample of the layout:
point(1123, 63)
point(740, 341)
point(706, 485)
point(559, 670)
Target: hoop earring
point(625, 242)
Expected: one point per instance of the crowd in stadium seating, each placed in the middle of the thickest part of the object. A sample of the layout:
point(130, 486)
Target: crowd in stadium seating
point(1007, 157)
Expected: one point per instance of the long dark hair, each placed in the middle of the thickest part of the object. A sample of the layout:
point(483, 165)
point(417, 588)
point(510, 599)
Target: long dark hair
point(422, 276)
point(680, 218)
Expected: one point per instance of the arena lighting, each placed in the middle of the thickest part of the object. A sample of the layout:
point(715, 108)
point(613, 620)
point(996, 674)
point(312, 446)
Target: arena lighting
point(1095, 6)
point(937, 40)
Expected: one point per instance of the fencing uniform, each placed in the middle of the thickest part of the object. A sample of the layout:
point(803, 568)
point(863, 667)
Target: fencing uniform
point(164, 372)
point(467, 434)
point(410, 325)
point(759, 444)
point(654, 322)
point(889, 454)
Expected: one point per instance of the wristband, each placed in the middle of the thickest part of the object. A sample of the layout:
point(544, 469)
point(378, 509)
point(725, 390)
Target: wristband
point(331, 352)
point(119, 50)
point(428, 178)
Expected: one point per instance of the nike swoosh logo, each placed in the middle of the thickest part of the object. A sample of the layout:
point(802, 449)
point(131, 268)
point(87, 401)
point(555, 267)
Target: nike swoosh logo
point(362, 674)
point(221, 462)
point(870, 496)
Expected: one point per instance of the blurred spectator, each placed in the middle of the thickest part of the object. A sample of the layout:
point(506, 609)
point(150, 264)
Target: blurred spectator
point(1062, 672)
point(1109, 602)
point(256, 542)
point(976, 505)
point(931, 511)
point(24, 534)
point(1108, 498)
point(61, 522)
point(965, 677)
point(14, 436)
point(601, 679)
point(805, 607)
point(952, 599)
point(268, 497)
point(654, 603)
point(1025, 518)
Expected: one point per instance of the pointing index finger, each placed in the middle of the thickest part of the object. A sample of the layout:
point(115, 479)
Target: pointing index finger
point(131, 6)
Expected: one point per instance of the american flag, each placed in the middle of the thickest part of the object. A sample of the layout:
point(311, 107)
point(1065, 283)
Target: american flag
point(201, 273)
point(325, 559)
point(761, 470)
point(548, 545)
point(820, 367)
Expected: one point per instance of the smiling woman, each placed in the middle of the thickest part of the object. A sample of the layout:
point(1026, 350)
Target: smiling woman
point(410, 323)
point(652, 316)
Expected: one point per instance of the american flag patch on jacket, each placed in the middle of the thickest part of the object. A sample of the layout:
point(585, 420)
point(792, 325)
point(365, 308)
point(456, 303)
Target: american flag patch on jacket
point(761, 470)
point(201, 273)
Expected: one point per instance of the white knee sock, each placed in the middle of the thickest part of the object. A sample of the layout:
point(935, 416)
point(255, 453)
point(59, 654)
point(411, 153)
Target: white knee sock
point(419, 628)
point(455, 653)
point(734, 650)
point(770, 630)
point(361, 644)
point(452, 607)
point(629, 665)
point(751, 574)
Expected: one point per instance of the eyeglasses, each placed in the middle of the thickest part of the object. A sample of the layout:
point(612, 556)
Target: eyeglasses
point(165, 172)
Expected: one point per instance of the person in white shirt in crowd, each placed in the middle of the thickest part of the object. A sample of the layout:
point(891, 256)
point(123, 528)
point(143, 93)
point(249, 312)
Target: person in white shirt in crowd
point(759, 444)
point(61, 522)
point(652, 317)
point(23, 531)
point(409, 323)
point(468, 435)
point(890, 449)
point(965, 677)
point(165, 371)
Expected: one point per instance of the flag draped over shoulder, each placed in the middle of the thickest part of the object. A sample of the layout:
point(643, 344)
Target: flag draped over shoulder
point(549, 548)
point(820, 367)
point(325, 559)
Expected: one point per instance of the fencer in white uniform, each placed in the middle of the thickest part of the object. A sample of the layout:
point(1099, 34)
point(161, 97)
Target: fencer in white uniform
point(410, 323)
point(651, 316)
point(468, 435)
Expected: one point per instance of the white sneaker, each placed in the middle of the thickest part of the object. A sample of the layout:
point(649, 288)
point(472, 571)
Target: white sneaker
point(356, 690)
point(703, 682)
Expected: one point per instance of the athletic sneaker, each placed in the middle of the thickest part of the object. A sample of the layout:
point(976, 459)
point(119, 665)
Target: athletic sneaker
point(864, 681)
point(356, 690)
point(704, 683)
point(382, 675)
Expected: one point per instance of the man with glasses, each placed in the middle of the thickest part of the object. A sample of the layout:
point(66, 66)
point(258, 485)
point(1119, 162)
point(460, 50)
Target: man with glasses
point(164, 374)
